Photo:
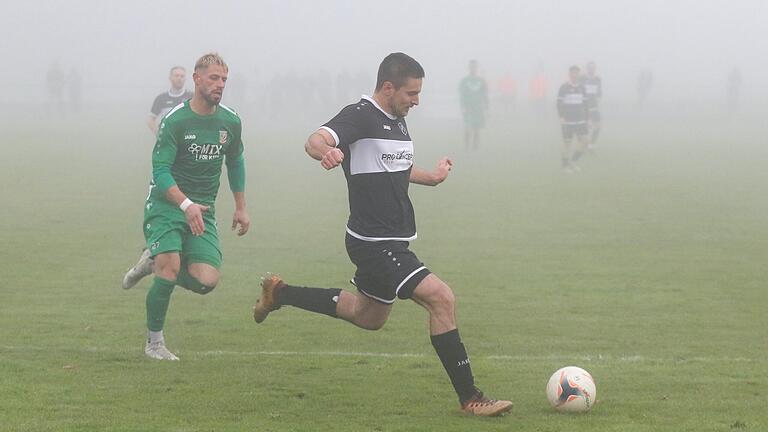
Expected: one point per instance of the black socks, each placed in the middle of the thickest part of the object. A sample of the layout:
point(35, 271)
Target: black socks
point(319, 300)
point(454, 357)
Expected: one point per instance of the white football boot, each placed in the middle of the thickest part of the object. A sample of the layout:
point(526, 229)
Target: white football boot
point(143, 267)
point(158, 351)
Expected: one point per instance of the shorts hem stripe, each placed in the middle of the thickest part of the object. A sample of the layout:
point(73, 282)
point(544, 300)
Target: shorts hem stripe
point(407, 278)
point(374, 297)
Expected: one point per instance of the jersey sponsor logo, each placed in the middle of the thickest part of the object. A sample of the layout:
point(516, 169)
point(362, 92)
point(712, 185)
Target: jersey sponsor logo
point(376, 155)
point(205, 151)
point(222, 137)
point(403, 154)
point(573, 99)
point(402, 128)
point(190, 137)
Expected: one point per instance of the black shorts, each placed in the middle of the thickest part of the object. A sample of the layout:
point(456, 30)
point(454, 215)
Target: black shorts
point(386, 270)
point(569, 130)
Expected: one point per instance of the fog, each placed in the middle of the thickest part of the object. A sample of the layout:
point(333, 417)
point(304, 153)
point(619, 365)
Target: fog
point(123, 50)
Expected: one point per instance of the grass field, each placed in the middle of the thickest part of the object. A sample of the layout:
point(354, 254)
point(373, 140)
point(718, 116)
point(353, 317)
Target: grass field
point(648, 269)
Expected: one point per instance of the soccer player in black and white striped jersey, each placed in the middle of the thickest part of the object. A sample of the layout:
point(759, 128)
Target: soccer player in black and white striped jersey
point(370, 140)
point(164, 102)
point(572, 109)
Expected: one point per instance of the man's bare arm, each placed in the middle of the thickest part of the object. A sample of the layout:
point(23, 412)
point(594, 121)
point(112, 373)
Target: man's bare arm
point(321, 146)
point(431, 178)
point(152, 124)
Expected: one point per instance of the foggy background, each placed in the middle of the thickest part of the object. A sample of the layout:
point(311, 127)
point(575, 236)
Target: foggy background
point(122, 51)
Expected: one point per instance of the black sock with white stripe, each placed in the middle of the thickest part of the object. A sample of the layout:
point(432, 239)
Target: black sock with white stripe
point(319, 300)
point(455, 360)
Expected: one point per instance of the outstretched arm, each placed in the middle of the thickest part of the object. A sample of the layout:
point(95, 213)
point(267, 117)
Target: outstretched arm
point(321, 146)
point(432, 178)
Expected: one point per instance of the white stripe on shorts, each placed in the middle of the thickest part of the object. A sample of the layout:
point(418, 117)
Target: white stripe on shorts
point(407, 278)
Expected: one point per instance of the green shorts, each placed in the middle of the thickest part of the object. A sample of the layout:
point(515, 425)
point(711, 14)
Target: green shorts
point(166, 230)
point(474, 118)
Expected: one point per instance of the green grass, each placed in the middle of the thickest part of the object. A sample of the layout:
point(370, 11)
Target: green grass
point(647, 269)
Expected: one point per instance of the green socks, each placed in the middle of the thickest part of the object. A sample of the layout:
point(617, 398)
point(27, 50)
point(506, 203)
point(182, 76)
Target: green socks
point(158, 298)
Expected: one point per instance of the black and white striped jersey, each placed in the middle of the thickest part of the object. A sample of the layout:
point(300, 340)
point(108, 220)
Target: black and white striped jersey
point(165, 102)
point(378, 156)
point(572, 103)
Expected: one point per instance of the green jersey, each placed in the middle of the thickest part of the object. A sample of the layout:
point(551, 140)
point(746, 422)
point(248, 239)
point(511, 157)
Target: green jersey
point(473, 93)
point(190, 150)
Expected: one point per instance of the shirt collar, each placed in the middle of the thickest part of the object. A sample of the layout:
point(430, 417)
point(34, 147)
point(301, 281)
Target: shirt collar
point(371, 100)
point(181, 93)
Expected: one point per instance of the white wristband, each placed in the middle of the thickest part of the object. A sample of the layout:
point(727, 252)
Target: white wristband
point(185, 205)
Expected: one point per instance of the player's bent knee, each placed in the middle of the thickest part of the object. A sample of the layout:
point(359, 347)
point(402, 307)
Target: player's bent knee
point(205, 274)
point(167, 266)
point(445, 298)
point(437, 297)
point(209, 281)
point(168, 272)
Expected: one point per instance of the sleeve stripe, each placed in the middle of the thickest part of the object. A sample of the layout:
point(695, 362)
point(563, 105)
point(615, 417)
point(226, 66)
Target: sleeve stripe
point(333, 134)
point(228, 109)
point(176, 108)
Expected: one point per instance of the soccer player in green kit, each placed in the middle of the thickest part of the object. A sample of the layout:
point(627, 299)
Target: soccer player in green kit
point(193, 141)
point(473, 97)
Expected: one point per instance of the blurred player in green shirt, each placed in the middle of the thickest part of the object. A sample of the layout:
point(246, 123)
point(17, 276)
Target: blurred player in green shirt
point(194, 139)
point(473, 96)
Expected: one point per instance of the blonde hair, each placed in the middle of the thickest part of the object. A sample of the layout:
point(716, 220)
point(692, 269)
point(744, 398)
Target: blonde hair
point(210, 59)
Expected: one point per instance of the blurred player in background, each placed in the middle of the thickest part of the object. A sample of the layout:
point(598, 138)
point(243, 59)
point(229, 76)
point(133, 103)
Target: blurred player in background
point(371, 142)
point(473, 97)
point(593, 88)
point(164, 102)
point(194, 140)
point(572, 109)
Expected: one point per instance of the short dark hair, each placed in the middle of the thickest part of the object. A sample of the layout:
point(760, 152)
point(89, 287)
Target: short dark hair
point(574, 68)
point(397, 68)
point(177, 67)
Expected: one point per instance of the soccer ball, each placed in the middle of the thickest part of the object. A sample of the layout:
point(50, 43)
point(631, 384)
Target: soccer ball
point(571, 389)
